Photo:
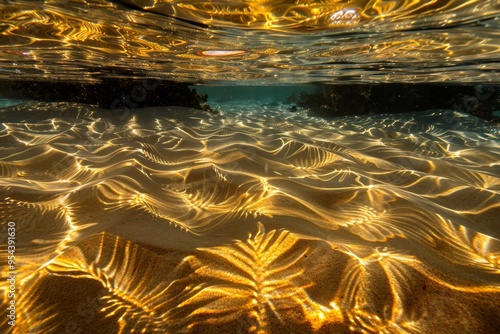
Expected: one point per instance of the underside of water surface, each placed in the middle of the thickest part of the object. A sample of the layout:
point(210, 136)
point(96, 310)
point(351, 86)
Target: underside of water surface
point(249, 166)
point(252, 42)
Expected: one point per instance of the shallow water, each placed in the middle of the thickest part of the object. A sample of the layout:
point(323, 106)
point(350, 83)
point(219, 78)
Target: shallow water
point(262, 216)
point(255, 220)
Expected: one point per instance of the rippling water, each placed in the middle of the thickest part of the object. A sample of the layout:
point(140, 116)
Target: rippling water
point(255, 220)
point(252, 41)
point(256, 217)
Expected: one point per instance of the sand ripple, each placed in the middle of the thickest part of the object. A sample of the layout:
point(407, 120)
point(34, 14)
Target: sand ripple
point(172, 220)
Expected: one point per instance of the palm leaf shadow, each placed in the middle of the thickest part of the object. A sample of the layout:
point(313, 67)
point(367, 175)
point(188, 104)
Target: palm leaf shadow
point(255, 285)
point(131, 287)
point(262, 280)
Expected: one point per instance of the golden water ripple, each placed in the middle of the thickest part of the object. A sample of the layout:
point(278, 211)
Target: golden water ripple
point(173, 220)
point(272, 41)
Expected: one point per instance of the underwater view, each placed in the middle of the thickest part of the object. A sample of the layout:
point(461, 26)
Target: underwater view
point(257, 166)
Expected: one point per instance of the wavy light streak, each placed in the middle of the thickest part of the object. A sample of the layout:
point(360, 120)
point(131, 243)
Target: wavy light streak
point(241, 224)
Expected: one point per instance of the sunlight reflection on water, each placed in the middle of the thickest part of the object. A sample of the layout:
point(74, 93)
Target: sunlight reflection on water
point(270, 42)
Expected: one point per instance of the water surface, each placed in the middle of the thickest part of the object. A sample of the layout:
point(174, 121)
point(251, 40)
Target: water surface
point(252, 42)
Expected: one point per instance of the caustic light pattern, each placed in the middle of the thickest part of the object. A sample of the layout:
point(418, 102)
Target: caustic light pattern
point(178, 221)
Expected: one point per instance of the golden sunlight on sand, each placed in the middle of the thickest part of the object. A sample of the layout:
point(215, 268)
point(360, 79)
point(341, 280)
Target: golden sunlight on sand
point(178, 221)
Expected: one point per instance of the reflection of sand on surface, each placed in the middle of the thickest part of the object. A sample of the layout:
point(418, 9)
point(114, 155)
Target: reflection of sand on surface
point(185, 222)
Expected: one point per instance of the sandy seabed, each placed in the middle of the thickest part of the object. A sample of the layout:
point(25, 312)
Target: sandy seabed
point(255, 220)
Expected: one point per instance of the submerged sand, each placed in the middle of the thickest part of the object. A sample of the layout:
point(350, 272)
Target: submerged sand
point(170, 220)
